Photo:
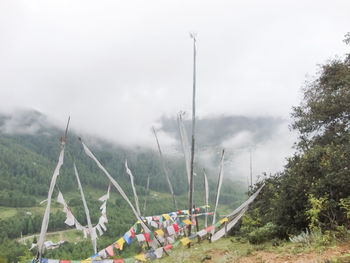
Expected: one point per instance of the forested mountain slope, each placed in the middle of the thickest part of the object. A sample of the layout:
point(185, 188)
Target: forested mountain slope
point(28, 155)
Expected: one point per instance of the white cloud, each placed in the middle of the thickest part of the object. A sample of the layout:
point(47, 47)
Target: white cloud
point(116, 67)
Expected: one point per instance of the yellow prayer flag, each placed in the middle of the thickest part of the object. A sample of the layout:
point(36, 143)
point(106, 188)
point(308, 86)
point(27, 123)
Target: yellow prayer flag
point(88, 260)
point(185, 241)
point(140, 257)
point(166, 216)
point(120, 243)
point(187, 221)
point(223, 220)
point(160, 232)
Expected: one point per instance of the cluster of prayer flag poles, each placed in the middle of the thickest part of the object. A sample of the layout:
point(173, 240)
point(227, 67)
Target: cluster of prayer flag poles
point(175, 229)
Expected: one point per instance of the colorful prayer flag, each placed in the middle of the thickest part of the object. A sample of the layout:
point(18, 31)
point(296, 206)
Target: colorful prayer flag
point(223, 220)
point(120, 243)
point(185, 241)
point(167, 247)
point(110, 250)
point(187, 221)
point(160, 232)
point(140, 257)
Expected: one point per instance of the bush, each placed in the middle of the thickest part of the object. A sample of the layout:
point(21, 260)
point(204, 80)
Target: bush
point(262, 234)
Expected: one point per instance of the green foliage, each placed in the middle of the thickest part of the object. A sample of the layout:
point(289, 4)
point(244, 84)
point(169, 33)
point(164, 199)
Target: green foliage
point(262, 234)
point(313, 214)
point(313, 190)
point(27, 162)
point(11, 251)
point(345, 206)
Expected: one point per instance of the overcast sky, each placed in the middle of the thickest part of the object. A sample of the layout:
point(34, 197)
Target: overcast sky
point(117, 67)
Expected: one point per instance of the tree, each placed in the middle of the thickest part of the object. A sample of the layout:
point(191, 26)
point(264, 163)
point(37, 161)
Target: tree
point(319, 172)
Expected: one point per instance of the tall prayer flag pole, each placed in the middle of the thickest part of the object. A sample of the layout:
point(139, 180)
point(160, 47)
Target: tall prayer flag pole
point(193, 36)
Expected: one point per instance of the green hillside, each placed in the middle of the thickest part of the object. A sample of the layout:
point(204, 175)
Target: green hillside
point(27, 162)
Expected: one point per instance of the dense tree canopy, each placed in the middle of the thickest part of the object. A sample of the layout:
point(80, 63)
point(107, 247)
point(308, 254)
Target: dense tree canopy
point(319, 172)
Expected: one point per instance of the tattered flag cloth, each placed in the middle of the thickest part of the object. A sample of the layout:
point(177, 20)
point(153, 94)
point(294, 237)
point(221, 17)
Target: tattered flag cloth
point(116, 185)
point(221, 175)
point(206, 187)
point(157, 252)
point(133, 187)
point(185, 146)
point(45, 221)
point(91, 230)
point(71, 220)
point(165, 170)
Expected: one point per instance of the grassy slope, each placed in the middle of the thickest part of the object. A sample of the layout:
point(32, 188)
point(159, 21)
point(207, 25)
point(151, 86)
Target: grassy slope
point(231, 250)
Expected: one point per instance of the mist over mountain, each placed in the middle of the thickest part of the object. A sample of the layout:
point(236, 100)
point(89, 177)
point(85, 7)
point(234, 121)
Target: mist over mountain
point(23, 122)
point(268, 139)
point(215, 131)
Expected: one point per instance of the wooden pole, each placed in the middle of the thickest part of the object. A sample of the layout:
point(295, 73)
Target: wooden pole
point(193, 36)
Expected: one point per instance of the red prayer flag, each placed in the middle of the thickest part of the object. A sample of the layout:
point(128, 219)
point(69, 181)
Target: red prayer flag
point(209, 228)
point(132, 232)
point(167, 247)
point(110, 251)
point(119, 260)
point(64, 261)
point(146, 235)
point(116, 246)
point(176, 228)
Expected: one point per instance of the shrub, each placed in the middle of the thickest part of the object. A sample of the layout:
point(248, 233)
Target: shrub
point(262, 234)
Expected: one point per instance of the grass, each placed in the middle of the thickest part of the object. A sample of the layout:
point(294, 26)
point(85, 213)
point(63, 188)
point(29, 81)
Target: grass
point(7, 212)
point(233, 250)
point(68, 235)
point(223, 250)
